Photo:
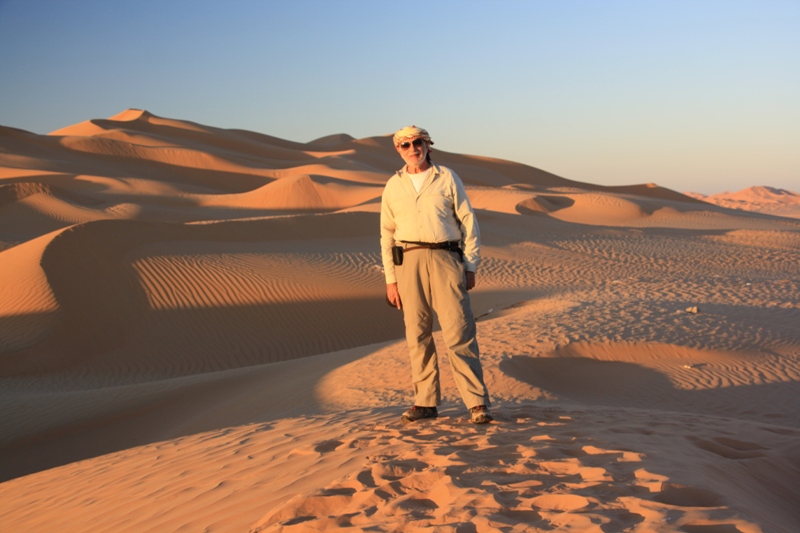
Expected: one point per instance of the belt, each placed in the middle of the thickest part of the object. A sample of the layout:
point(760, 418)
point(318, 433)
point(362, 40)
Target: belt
point(451, 246)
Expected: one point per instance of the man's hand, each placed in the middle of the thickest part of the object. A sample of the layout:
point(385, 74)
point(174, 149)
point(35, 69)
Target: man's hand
point(393, 295)
point(470, 280)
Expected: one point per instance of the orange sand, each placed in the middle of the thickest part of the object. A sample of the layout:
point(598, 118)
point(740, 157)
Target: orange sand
point(193, 337)
point(759, 199)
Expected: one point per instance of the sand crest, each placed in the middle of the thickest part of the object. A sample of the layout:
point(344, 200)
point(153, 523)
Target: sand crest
point(759, 199)
point(193, 337)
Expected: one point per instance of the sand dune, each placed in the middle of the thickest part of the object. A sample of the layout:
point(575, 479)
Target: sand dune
point(29, 310)
point(759, 199)
point(302, 193)
point(193, 337)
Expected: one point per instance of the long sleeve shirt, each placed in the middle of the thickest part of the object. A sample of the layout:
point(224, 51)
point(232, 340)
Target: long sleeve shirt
point(439, 212)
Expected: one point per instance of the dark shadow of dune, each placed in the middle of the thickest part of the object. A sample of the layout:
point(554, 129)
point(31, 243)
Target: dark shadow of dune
point(125, 416)
point(543, 204)
point(13, 192)
point(531, 207)
point(620, 384)
point(770, 476)
point(589, 380)
point(554, 202)
point(102, 303)
point(153, 357)
point(345, 183)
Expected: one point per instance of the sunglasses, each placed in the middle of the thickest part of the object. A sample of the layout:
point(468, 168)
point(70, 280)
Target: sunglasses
point(416, 143)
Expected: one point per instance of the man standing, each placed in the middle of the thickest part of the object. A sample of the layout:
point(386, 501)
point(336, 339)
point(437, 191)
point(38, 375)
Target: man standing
point(430, 245)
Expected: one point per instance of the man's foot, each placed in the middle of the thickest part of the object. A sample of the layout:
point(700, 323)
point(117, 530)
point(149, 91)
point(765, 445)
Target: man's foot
point(480, 415)
point(418, 413)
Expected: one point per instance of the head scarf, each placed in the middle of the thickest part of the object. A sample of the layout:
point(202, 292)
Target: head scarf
point(409, 133)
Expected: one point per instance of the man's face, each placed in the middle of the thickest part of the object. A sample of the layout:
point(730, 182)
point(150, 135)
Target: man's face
point(413, 152)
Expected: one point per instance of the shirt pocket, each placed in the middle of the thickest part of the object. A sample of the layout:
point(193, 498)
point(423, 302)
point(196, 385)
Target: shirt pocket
point(439, 203)
point(404, 212)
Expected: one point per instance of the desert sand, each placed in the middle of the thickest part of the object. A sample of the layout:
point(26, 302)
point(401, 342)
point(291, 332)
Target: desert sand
point(194, 337)
point(759, 199)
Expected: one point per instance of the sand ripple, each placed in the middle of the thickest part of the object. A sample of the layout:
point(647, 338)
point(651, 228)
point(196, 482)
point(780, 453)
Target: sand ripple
point(194, 337)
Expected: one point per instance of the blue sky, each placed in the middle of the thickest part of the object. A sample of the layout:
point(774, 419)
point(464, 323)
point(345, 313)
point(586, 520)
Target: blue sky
point(698, 95)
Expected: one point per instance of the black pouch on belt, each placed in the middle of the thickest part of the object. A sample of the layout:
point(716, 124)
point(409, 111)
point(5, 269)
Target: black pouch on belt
point(397, 255)
point(455, 247)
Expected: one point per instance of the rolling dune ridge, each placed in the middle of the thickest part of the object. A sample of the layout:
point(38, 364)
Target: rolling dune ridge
point(193, 336)
point(768, 200)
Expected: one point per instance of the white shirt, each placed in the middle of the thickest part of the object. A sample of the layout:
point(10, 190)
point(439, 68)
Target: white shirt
point(439, 212)
point(419, 178)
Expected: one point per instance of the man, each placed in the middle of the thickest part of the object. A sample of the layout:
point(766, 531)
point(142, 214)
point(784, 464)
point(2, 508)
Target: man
point(426, 218)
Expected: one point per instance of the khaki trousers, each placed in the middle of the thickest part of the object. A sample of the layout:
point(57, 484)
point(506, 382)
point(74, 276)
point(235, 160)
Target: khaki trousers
point(428, 281)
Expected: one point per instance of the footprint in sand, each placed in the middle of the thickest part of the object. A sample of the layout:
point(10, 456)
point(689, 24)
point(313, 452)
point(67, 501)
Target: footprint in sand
point(533, 472)
point(327, 446)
